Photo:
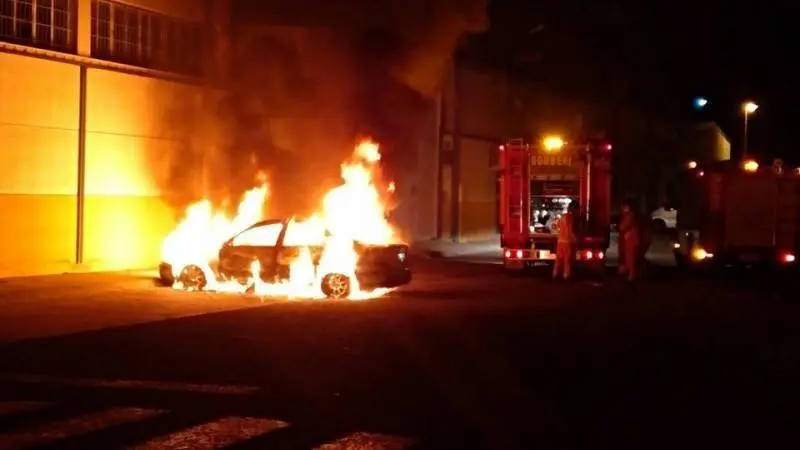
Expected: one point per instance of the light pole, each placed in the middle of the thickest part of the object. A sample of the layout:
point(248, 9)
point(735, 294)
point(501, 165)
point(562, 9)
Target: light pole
point(748, 108)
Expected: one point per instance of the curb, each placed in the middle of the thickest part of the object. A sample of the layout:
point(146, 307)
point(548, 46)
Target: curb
point(427, 254)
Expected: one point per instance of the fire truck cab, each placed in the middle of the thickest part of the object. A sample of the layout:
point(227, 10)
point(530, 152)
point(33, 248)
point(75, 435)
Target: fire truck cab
point(738, 214)
point(538, 183)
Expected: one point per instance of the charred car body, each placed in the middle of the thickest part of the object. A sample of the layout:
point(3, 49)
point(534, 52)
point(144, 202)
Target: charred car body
point(276, 243)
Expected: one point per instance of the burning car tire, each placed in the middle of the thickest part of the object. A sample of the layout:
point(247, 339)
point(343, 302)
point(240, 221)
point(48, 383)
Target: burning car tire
point(193, 278)
point(336, 285)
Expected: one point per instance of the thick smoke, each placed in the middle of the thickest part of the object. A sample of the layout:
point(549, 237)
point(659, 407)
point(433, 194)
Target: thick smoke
point(301, 92)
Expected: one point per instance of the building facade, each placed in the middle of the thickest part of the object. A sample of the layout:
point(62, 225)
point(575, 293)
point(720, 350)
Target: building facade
point(706, 142)
point(93, 92)
point(481, 108)
point(374, 71)
point(475, 119)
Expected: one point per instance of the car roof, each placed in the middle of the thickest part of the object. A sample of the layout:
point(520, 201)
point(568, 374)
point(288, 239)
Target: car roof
point(265, 222)
point(258, 224)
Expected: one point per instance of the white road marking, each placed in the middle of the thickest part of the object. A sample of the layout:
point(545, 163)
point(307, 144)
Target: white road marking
point(208, 436)
point(368, 441)
point(19, 406)
point(131, 384)
point(54, 431)
point(214, 435)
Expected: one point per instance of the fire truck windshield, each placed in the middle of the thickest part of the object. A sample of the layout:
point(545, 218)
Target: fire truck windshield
point(549, 200)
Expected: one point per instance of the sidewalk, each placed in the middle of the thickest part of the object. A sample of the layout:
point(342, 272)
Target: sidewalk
point(445, 248)
point(46, 271)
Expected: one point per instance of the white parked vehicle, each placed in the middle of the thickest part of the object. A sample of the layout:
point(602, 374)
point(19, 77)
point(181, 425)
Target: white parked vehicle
point(664, 218)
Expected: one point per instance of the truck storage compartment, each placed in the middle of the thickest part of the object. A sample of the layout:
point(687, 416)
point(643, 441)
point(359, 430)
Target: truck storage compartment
point(751, 212)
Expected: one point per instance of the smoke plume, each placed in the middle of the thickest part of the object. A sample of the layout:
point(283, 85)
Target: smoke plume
point(303, 86)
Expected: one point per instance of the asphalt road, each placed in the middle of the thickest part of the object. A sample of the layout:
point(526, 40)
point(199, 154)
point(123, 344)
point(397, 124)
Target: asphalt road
point(464, 357)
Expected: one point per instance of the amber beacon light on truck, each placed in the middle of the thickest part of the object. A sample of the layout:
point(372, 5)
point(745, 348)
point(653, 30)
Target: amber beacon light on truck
point(552, 143)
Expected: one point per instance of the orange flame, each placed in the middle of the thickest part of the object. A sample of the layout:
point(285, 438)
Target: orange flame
point(352, 212)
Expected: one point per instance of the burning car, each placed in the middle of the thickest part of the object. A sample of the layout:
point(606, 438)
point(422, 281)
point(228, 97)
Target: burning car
point(347, 248)
point(292, 253)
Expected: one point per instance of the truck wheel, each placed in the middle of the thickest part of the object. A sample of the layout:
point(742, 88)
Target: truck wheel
point(336, 285)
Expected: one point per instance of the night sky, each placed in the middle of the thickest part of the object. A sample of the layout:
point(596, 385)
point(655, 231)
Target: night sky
point(656, 55)
point(661, 54)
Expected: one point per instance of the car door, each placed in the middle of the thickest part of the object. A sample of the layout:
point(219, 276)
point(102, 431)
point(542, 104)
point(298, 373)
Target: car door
point(259, 242)
point(297, 236)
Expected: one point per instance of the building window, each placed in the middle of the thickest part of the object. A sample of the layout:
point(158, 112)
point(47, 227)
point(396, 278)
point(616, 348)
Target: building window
point(130, 35)
point(47, 24)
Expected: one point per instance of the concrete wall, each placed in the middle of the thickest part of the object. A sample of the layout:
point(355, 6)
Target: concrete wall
point(127, 142)
point(416, 214)
point(485, 103)
point(478, 211)
point(38, 162)
point(129, 136)
point(477, 117)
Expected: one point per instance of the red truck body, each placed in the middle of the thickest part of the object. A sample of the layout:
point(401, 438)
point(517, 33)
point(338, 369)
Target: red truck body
point(737, 216)
point(538, 184)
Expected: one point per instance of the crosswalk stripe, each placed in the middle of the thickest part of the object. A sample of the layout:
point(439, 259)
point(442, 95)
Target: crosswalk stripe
point(131, 384)
point(214, 435)
point(54, 431)
point(15, 407)
point(368, 441)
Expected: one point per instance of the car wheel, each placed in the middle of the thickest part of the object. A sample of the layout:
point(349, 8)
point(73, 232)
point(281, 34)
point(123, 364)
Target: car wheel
point(336, 285)
point(193, 278)
point(659, 226)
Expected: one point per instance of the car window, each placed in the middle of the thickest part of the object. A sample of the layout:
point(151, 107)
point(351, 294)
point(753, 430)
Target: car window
point(262, 236)
point(304, 233)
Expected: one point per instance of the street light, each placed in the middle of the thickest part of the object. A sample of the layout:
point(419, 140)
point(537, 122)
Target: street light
point(748, 108)
point(750, 166)
point(700, 102)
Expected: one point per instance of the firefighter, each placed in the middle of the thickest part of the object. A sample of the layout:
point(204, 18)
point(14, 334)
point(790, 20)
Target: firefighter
point(565, 245)
point(629, 242)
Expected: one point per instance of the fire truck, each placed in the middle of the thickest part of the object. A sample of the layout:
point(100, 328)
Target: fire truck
point(539, 183)
point(738, 214)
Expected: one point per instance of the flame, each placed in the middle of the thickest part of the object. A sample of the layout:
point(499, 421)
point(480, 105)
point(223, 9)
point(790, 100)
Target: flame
point(351, 213)
point(369, 151)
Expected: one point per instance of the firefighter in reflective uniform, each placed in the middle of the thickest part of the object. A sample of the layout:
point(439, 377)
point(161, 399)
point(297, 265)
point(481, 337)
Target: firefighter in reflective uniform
point(629, 242)
point(565, 245)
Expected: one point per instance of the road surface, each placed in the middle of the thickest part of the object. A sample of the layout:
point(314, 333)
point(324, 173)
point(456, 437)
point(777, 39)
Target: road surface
point(464, 357)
